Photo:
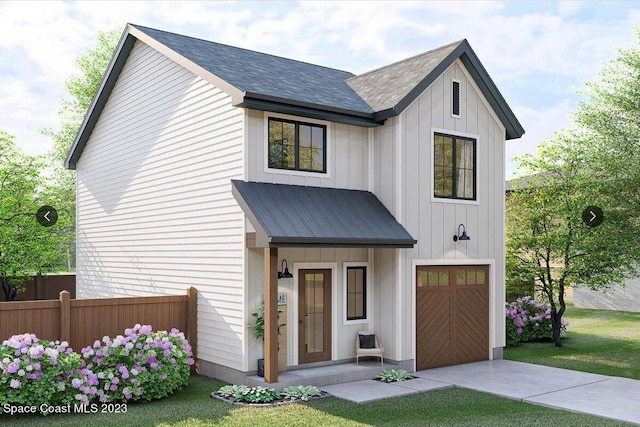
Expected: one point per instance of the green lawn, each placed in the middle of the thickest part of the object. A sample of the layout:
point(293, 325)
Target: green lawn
point(193, 407)
point(598, 341)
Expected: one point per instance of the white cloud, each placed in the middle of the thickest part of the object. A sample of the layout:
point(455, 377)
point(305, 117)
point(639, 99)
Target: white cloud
point(539, 124)
point(39, 42)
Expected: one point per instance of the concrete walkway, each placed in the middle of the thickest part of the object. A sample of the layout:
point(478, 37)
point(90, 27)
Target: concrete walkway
point(609, 397)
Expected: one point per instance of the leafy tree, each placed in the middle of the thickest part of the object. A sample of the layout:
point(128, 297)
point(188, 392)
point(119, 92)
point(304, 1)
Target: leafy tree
point(26, 248)
point(597, 164)
point(82, 89)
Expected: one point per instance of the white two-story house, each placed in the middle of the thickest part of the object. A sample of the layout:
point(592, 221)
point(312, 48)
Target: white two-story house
point(381, 194)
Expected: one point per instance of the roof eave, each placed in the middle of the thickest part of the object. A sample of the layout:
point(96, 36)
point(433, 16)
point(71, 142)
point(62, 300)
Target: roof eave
point(100, 99)
point(314, 111)
point(488, 88)
point(292, 242)
point(127, 41)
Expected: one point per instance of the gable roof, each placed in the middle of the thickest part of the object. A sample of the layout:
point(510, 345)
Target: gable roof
point(384, 88)
point(264, 76)
point(299, 216)
point(270, 83)
point(390, 89)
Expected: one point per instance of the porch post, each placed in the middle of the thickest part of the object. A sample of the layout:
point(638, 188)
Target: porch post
point(271, 315)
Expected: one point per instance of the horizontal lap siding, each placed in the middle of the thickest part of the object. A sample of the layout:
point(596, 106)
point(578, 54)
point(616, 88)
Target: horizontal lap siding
point(155, 210)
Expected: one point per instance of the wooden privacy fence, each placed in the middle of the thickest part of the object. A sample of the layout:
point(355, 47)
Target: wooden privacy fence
point(47, 287)
point(82, 321)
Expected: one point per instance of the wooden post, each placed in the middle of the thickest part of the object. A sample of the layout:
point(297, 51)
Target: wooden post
point(271, 315)
point(65, 317)
point(192, 325)
point(39, 287)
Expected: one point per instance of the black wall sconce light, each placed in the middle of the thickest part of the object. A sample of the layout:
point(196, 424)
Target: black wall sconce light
point(284, 274)
point(462, 236)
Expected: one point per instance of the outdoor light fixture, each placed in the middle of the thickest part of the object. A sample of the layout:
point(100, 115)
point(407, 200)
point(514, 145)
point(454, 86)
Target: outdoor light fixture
point(462, 236)
point(284, 274)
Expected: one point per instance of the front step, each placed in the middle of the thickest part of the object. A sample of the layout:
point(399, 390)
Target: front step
point(323, 375)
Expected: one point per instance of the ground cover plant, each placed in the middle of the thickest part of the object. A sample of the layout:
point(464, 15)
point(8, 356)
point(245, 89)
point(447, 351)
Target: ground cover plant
point(598, 341)
point(193, 407)
point(141, 365)
point(530, 320)
point(263, 395)
point(393, 375)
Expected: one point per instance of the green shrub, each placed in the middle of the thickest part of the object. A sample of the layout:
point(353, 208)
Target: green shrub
point(529, 320)
point(228, 391)
point(42, 373)
point(300, 392)
point(393, 375)
point(257, 395)
point(141, 365)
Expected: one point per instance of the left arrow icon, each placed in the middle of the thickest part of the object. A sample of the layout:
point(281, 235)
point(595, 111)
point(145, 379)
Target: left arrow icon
point(47, 216)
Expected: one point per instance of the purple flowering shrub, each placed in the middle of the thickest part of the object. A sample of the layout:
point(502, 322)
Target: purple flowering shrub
point(36, 371)
point(141, 365)
point(529, 320)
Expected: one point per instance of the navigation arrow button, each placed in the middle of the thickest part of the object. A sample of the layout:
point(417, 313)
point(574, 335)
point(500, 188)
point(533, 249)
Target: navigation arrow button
point(47, 216)
point(592, 216)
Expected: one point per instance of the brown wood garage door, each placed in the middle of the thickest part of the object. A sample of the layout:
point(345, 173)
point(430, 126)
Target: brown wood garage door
point(452, 315)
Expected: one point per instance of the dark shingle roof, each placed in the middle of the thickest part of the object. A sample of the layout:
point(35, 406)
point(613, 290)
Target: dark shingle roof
point(270, 83)
point(294, 215)
point(385, 87)
point(263, 74)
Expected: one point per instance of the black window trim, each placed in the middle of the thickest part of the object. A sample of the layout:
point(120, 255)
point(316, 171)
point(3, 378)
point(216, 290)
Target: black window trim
point(455, 98)
point(453, 167)
point(297, 124)
point(364, 293)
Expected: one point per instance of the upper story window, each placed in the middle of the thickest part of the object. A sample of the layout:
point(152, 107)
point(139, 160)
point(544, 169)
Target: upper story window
point(454, 167)
point(297, 146)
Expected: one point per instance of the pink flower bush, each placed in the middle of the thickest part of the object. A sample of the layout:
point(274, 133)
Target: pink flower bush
point(141, 365)
point(529, 320)
point(36, 372)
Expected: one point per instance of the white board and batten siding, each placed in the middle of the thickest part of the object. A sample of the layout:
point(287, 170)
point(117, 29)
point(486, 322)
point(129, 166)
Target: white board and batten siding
point(155, 210)
point(403, 158)
point(347, 155)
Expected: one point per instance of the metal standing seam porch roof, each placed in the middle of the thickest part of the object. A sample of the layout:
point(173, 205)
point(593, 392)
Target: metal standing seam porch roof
point(299, 216)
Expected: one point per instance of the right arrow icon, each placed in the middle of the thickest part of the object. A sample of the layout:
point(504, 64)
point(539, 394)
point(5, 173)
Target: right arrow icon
point(592, 216)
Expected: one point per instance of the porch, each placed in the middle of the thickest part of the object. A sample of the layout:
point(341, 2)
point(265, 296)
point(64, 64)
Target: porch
point(292, 216)
point(320, 376)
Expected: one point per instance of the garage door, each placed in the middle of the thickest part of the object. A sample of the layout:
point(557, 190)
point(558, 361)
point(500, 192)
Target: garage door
point(452, 315)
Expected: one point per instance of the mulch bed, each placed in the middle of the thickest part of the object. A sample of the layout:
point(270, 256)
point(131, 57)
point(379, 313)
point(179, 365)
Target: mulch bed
point(276, 402)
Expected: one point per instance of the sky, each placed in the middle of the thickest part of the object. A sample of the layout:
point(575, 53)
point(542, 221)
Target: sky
point(539, 54)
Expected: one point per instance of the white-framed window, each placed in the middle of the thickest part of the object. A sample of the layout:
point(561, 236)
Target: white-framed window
point(455, 98)
point(296, 145)
point(357, 293)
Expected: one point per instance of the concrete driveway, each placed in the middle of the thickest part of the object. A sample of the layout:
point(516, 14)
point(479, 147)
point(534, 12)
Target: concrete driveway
point(610, 397)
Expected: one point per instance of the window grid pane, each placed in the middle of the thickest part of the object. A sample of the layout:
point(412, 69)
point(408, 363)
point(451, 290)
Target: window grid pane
point(454, 167)
point(356, 293)
point(297, 146)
